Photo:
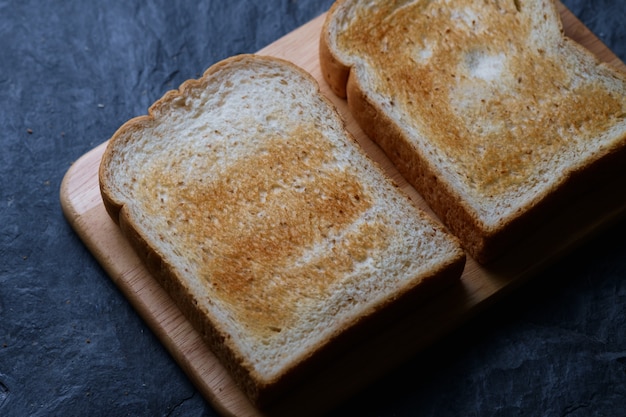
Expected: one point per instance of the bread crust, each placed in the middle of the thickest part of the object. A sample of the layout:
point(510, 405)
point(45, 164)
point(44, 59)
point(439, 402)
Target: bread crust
point(334, 71)
point(483, 242)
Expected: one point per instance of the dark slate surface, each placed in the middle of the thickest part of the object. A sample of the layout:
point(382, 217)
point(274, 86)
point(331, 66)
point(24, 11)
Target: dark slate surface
point(71, 72)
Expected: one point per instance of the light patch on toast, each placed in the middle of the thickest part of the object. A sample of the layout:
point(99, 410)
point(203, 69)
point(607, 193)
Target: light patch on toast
point(465, 16)
point(422, 53)
point(485, 66)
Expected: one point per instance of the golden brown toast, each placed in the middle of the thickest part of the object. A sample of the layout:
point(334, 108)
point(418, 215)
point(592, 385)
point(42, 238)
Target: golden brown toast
point(485, 107)
point(275, 234)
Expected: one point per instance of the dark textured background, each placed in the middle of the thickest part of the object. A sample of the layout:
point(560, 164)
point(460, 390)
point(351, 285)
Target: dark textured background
point(71, 72)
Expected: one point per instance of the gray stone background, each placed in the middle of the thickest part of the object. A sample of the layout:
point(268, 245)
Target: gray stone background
point(71, 72)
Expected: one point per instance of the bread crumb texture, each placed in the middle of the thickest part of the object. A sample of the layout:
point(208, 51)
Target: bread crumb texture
point(282, 228)
point(489, 90)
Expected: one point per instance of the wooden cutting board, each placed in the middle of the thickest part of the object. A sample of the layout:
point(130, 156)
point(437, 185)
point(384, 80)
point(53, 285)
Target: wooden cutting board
point(479, 286)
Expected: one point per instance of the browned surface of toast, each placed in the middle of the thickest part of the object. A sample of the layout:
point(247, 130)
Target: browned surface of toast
point(268, 224)
point(486, 116)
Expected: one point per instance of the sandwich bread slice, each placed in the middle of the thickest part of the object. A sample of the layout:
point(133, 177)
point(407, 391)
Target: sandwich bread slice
point(275, 234)
point(485, 107)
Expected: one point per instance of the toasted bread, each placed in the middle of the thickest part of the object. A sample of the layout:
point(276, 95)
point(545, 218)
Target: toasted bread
point(486, 108)
point(272, 230)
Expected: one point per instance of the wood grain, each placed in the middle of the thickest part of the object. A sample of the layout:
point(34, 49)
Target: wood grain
point(478, 288)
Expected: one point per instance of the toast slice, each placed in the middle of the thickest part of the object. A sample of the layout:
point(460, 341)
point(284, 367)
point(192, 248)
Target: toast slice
point(279, 239)
point(485, 107)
